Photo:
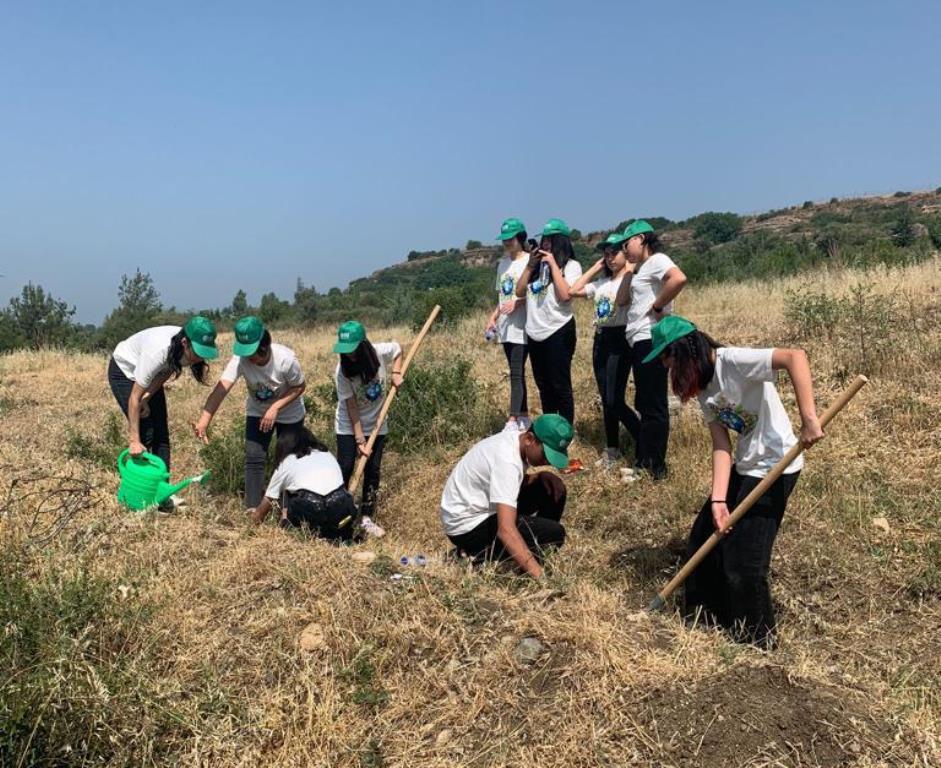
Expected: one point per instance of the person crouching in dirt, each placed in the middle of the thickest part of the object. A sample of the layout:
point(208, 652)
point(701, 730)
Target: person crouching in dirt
point(492, 510)
point(275, 383)
point(309, 478)
point(735, 388)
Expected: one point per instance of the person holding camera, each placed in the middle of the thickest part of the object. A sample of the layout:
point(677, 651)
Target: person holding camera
point(546, 283)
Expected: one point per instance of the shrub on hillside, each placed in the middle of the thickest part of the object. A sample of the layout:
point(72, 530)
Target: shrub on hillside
point(716, 228)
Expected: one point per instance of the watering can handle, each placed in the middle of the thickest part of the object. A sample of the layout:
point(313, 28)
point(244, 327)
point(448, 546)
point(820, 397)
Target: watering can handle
point(122, 461)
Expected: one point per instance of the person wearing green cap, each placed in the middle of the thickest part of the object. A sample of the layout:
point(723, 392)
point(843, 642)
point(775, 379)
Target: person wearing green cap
point(736, 392)
point(611, 356)
point(508, 320)
point(491, 509)
point(546, 283)
point(649, 294)
point(140, 366)
point(275, 383)
point(362, 380)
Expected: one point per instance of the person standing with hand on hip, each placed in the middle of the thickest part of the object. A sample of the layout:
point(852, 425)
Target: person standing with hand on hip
point(508, 320)
point(275, 383)
point(650, 293)
point(546, 283)
point(362, 381)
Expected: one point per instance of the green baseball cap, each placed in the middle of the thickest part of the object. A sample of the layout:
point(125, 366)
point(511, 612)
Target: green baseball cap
point(615, 238)
point(510, 229)
point(637, 228)
point(556, 227)
point(349, 336)
point(664, 333)
point(202, 335)
point(555, 433)
point(248, 333)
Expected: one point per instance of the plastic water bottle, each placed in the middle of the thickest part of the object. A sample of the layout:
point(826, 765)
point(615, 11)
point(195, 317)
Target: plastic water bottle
point(545, 274)
point(489, 335)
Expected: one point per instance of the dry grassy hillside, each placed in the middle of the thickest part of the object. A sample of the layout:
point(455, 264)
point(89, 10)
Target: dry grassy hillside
point(176, 639)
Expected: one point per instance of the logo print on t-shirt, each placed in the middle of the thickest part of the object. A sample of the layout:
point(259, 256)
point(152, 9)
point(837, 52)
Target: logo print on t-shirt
point(733, 416)
point(603, 310)
point(507, 286)
point(373, 390)
point(263, 392)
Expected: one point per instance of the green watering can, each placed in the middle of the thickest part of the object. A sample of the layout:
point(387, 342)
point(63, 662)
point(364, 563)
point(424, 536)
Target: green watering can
point(145, 481)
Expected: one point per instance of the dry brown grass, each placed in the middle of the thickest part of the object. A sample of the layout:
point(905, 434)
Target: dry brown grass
point(423, 671)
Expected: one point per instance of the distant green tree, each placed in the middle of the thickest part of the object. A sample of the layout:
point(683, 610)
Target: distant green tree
point(138, 307)
point(903, 228)
point(473, 245)
point(306, 300)
point(239, 306)
point(576, 234)
point(716, 228)
point(10, 338)
point(272, 308)
point(39, 319)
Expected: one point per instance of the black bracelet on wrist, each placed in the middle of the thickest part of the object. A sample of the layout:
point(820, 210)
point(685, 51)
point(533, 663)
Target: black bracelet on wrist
point(717, 501)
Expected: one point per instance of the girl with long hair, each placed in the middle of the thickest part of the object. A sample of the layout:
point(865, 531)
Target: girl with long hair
point(735, 389)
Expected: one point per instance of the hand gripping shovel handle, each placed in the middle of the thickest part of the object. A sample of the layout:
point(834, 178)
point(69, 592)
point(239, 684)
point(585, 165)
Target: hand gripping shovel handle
point(357, 477)
point(848, 394)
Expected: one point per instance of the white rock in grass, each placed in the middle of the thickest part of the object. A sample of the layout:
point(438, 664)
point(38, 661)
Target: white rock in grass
point(312, 638)
point(363, 558)
point(443, 738)
point(882, 524)
point(529, 649)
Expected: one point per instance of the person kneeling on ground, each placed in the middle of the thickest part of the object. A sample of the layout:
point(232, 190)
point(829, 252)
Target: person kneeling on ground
point(492, 510)
point(310, 478)
point(735, 388)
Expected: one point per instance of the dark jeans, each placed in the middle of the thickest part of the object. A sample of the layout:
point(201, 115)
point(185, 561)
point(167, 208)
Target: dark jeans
point(347, 456)
point(256, 451)
point(650, 401)
point(154, 431)
point(329, 517)
point(516, 358)
point(730, 586)
point(552, 370)
point(539, 509)
point(611, 359)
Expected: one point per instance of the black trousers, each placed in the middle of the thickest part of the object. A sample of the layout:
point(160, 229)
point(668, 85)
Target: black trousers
point(154, 430)
point(552, 369)
point(516, 359)
point(650, 401)
point(347, 456)
point(256, 451)
point(611, 359)
point(730, 586)
point(539, 509)
point(329, 517)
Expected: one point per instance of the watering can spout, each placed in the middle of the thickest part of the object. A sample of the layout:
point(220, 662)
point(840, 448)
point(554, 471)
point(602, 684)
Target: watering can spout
point(166, 490)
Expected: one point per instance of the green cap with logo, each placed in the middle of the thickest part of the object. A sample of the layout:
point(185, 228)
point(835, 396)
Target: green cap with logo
point(638, 227)
point(555, 434)
point(349, 336)
point(510, 229)
point(613, 240)
point(248, 333)
point(556, 227)
point(664, 333)
point(202, 336)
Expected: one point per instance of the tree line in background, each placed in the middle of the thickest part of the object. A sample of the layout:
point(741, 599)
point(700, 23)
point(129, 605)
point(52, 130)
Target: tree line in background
point(710, 247)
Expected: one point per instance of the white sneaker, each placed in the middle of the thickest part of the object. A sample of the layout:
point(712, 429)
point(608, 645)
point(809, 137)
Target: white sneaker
point(512, 425)
point(371, 528)
point(608, 458)
point(524, 423)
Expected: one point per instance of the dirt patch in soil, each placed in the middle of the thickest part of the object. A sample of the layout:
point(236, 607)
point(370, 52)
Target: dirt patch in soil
point(756, 716)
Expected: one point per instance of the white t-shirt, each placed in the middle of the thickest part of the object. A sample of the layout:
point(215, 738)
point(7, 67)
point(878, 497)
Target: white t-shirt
point(603, 294)
point(545, 314)
point(742, 397)
point(369, 398)
point(269, 382)
point(143, 356)
point(318, 471)
point(512, 327)
point(490, 473)
point(645, 287)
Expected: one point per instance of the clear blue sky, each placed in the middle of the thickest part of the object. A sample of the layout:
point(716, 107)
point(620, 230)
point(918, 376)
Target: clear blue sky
point(226, 145)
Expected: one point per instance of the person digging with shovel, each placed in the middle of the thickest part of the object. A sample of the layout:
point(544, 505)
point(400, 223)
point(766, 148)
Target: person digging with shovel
point(735, 389)
point(491, 509)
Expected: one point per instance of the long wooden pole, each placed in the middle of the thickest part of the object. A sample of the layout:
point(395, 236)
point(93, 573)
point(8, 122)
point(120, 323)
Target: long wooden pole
point(848, 394)
point(357, 477)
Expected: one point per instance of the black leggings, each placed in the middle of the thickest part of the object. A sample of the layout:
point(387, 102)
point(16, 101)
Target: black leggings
point(552, 369)
point(730, 586)
point(347, 456)
point(539, 509)
point(256, 451)
point(611, 359)
point(329, 517)
point(154, 431)
point(516, 359)
point(650, 401)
